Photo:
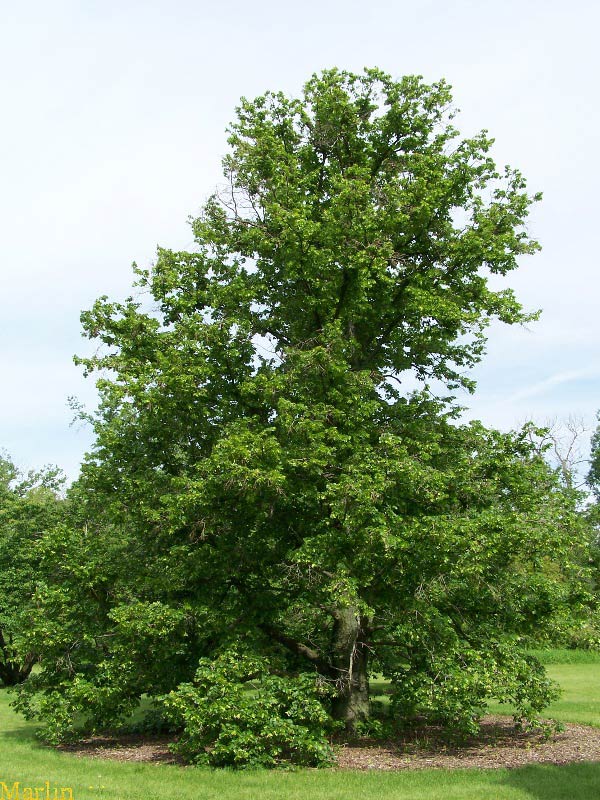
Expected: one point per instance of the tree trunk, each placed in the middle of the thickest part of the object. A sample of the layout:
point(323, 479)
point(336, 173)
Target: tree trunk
point(13, 672)
point(350, 661)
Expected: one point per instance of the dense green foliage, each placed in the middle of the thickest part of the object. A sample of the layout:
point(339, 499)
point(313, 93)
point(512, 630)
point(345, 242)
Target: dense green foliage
point(102, 637)
point(30, 506)
point(235, 713)
point(261, 476)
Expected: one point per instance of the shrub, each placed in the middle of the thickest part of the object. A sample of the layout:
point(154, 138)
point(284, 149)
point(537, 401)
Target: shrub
point(237, 714)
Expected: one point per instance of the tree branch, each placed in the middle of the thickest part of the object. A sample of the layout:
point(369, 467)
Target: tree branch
point(298, 648)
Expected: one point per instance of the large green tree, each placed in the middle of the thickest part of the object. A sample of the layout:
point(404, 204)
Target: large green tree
point(258, 432)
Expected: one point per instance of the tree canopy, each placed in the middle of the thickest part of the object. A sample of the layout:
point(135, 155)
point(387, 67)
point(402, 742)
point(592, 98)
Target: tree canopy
point(297, 509)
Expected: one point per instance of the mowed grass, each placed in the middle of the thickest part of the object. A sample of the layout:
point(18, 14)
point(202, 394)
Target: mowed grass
point(23, 759)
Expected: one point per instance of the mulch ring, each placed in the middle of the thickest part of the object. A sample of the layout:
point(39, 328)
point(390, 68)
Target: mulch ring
point(499, 744)
point(129, 747)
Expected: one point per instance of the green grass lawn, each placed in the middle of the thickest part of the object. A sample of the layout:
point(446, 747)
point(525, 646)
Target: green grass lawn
point(23, 759)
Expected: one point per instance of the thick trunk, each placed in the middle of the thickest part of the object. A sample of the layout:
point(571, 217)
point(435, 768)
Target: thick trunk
point(350, 661)
point(13, 672)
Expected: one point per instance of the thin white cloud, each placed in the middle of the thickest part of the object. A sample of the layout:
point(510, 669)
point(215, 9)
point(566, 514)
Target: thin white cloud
point(541, 387)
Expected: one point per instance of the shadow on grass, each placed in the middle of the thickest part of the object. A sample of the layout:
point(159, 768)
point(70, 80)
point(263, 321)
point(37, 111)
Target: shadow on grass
point(548, 782)
point(23, 736)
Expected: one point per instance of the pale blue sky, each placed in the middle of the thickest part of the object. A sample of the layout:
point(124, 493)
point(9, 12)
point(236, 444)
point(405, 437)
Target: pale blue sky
point(113, 118)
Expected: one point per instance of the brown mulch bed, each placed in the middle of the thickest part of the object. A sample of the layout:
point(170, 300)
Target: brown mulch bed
point(130, 747)
point(499, 744)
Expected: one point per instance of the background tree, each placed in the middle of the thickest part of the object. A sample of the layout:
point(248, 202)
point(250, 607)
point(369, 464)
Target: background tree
point(562, 443)
point(593, 476)
point(255, 434)
point(30, 505)
point(593, 517)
